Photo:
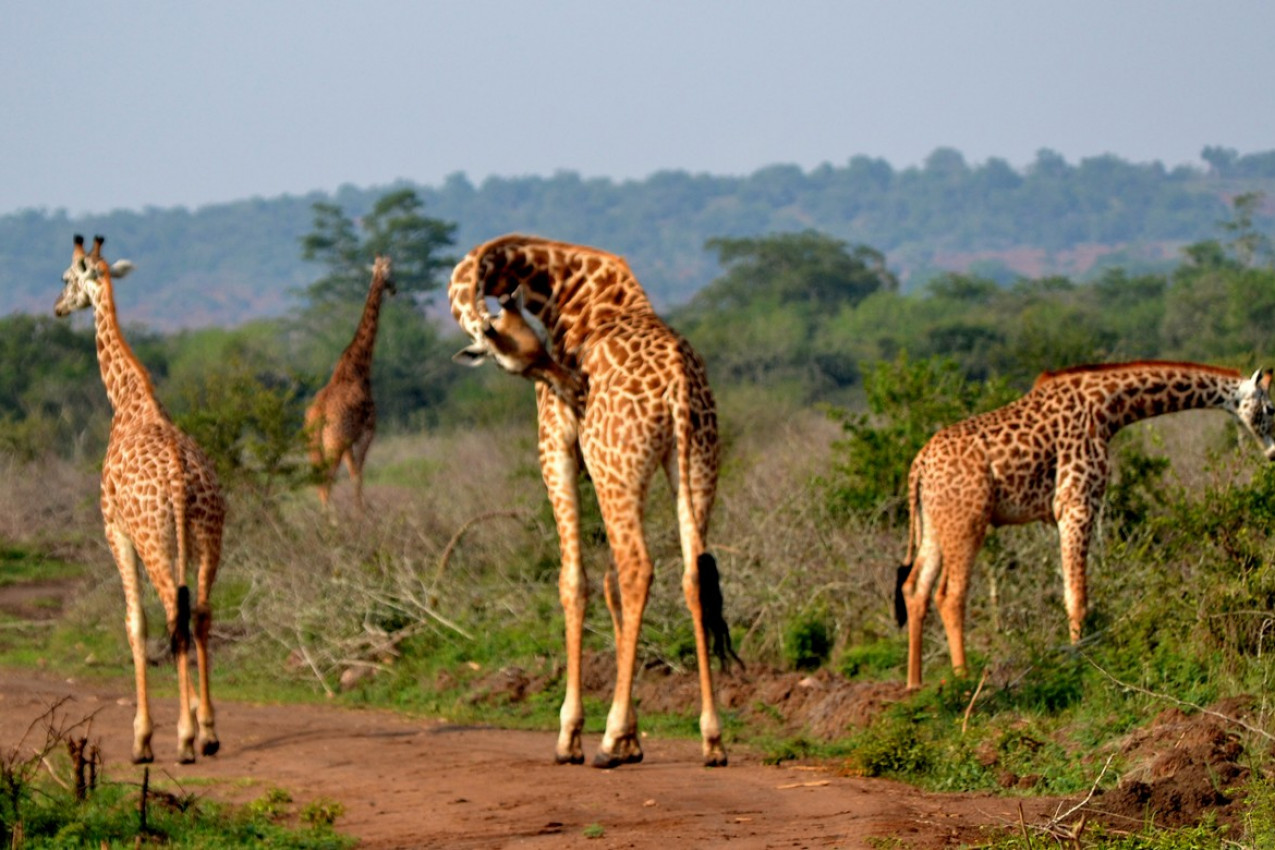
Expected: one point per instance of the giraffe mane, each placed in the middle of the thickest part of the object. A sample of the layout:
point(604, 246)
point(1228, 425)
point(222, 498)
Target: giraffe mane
point(1099, 368)
point(470, 293)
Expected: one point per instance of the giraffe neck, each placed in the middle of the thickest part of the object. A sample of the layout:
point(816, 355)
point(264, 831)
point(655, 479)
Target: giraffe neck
point(1128, 393)
point(128, 385)
point(356, 360)
point(573, 291)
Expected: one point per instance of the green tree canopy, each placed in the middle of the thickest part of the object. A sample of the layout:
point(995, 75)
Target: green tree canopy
point(794, 268)
point(395, 228)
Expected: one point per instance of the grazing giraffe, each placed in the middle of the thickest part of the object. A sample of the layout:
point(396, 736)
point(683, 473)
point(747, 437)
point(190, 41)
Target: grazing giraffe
point(341, 420)
point(620, 392)
point(1043, 457)
point(161, 504)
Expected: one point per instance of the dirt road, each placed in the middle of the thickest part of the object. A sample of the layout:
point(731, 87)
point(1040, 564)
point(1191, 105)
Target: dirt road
point(409, 783)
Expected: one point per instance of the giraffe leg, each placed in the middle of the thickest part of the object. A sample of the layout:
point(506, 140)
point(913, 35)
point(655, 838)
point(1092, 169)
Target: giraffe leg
point(620, 743)
point(210, 550)
point(354, 460)
point(692, 517)
point(561, 471)
point(177, 609)
point(135, 624)
point(949, 598)
point(709, 723)
point(916, 596)
point(1075, 527)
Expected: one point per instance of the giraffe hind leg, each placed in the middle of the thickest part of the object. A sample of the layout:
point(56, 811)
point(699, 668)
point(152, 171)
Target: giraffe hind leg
point(135, 624)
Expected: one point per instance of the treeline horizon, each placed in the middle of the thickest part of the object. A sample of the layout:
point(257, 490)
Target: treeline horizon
point(230, 263)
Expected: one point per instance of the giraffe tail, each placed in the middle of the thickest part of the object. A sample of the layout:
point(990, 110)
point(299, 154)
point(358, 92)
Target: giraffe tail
point(181, 628)
point(712, 606)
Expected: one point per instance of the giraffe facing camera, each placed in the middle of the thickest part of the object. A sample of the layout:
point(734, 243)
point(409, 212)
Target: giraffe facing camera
point(1043, 458)
point(162, 508)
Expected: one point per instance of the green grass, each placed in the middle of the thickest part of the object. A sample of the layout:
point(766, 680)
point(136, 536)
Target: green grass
point(22, 566)
point(51, 818)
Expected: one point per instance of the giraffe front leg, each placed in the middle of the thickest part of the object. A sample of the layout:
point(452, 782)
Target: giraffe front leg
point(1075, 525)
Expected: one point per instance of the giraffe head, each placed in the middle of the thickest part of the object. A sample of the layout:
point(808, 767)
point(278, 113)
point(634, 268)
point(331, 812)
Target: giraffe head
point(382, 268)
point(1252, 405)
point(519, 343)
point(84, 279)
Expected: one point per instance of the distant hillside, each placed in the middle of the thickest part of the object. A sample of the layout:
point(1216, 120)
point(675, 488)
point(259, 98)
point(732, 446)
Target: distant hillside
point(228, 263)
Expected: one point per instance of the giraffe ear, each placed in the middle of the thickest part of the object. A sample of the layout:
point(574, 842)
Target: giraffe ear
point(1262, 377)
point(472, 355)
point(121, 268)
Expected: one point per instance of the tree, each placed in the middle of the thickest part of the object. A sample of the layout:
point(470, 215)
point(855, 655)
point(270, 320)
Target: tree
point(1248, 244)
point(794, 268)
point(394, 228)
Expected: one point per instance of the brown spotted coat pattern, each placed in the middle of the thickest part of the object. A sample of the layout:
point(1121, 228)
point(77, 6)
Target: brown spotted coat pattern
point(161, 506)
point(341, 421)
point(618, 394)
point(1044, 458)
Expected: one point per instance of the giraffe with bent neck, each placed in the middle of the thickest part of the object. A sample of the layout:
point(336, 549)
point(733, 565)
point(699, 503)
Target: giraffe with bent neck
point(619, 395)
point(341, 420)
point(1044, 458)
point(161, 506)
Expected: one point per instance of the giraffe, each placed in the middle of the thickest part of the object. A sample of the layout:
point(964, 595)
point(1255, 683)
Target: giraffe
point(1045, 458)
point(618, 394)
point(341, 420)
point(161, 506)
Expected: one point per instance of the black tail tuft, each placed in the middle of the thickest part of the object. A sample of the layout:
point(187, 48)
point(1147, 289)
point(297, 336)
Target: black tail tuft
point(711, 606)
point(901, 605)
point(181, 628)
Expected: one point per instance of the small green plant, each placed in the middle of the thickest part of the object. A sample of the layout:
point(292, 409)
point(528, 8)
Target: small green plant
point(271, 805)
point(807, 641)
point(881, 658)
point(322, 812)
point(595, 830)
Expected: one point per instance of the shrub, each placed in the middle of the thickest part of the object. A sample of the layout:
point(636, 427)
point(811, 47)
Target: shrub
point(909, 401)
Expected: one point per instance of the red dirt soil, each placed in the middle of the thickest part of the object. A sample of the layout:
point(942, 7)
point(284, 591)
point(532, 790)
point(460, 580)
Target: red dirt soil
point(409, 783)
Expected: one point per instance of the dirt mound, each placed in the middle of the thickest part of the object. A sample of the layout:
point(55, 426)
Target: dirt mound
point(1182, 766)
point(824, 705)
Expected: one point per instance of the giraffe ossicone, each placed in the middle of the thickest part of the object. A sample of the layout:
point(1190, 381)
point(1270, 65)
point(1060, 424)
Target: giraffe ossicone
point(1044, 458)
point(162, 509)
point(619, 394)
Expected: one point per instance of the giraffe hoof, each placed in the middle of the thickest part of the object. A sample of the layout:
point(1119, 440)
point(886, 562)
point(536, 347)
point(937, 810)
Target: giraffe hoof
point(607, 761)
point(144, 758)
point(715, 760)
point(571, 758)
point(209, 747)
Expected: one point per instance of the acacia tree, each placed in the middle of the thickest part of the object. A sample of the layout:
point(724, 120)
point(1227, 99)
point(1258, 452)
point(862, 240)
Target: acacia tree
point(394, 227)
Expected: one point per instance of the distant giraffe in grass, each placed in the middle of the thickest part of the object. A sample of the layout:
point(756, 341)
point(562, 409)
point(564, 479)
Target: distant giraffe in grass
point(341, 420)
point(620, 395)
point(161, 505)
point(1043, 457)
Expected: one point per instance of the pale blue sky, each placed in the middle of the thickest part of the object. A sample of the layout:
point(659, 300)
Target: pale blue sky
point(111, 104)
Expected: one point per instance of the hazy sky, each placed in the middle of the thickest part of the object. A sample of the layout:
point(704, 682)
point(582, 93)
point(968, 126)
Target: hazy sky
point(107, 104)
